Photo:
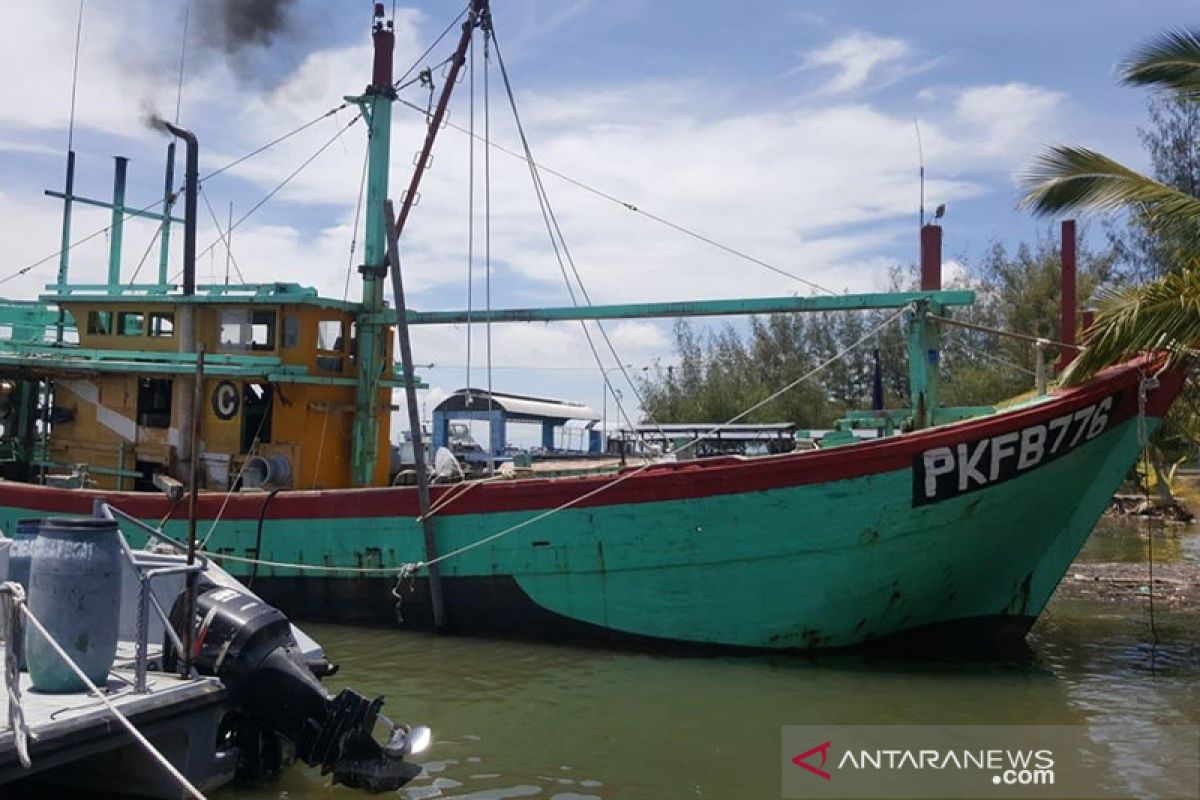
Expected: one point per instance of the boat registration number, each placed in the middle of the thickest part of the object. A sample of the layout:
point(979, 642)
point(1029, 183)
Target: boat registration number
point(944, 472)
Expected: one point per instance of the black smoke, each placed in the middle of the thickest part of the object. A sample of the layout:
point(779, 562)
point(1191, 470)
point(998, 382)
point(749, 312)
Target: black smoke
point(233, 25)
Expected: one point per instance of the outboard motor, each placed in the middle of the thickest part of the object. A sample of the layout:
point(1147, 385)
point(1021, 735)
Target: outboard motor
point(248, 645)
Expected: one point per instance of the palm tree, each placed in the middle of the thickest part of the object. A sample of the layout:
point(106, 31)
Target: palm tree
point(1163, 315)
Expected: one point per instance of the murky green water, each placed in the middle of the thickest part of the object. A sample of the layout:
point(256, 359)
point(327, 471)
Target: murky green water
point(566, 723)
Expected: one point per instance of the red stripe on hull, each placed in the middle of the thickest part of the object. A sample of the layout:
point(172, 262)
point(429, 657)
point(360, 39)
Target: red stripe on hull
point(673, 481)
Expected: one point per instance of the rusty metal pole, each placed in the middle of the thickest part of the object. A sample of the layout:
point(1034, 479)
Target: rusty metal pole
point(480, 15)
point(414, 420)
point(1067, 334)
point(189, 603)
point(931, 258)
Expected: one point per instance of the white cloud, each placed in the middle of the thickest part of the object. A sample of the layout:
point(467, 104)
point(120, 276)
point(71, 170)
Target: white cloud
point(855, 59)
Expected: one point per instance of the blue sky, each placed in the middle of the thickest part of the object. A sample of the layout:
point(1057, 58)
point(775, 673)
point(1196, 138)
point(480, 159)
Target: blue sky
point(784, 129)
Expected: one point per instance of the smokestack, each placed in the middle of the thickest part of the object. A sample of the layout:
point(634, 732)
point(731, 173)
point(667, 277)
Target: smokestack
point(931, 258)
point(191, 188)
point(1068, 293)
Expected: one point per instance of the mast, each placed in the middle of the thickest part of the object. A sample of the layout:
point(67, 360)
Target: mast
point(376, 105)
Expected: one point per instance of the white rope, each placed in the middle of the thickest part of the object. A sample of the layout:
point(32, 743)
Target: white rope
point(92, 689)
point(237, 478)
point(12, 595)
point(408, 569)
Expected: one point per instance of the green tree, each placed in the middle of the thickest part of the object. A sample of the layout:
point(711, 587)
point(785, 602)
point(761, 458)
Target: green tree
point(720, 373)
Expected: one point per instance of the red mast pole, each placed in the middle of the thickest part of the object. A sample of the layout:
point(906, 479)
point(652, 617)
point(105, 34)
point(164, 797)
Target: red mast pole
point(479, 16)
point(1067, 334)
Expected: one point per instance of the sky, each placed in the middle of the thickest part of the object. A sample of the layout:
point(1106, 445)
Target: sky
point(784, 130)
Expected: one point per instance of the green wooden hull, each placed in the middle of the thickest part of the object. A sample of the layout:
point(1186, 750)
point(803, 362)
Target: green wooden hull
point(808, 551)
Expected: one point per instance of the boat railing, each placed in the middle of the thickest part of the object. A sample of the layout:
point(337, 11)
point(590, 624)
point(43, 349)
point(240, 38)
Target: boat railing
point(147, 573)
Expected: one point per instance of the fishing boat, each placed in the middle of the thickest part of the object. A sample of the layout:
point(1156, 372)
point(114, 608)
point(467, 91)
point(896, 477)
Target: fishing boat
point(959, 520)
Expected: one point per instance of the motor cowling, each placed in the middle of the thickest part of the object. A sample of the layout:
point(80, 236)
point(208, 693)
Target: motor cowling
point(248, 645)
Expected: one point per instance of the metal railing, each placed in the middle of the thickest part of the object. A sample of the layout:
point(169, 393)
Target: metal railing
point(146, 574)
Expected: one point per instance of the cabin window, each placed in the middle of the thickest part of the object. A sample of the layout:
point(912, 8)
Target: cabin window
point(154, 402)
point(129, 323)
point(291, 331)
point(330, 339)
point(247, 329)
point(329, 335)
point(162, 323)
point(99, 323)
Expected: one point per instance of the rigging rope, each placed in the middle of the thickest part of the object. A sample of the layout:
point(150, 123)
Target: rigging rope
point(628, 206)
point(187, 16)
point(224, 237)
point(284, 182)
point(997, 359)
point(487, 213)
point(362, 185)
point(556, 240)
point(146, 254)
point(75, 78)
point(471, 216)
point(1023, 337)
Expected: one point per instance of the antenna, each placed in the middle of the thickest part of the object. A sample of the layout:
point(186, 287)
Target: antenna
point(920, 173)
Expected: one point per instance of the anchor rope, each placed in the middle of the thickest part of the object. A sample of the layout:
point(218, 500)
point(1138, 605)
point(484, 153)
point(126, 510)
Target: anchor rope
point(1144, 385)
point(12, 598)
point(12, 590)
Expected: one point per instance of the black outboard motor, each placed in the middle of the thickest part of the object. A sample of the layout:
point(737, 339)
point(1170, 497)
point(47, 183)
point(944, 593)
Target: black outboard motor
point(248, 645)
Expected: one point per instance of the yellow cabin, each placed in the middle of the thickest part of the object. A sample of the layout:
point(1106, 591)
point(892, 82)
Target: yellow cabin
point(277, 404)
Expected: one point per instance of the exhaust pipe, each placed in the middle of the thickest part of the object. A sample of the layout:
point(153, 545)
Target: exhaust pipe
point(190, 189)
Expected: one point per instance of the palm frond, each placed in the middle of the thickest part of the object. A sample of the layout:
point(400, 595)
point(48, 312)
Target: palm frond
point(1066, 178)
point(1170, 60)
point(1162, 316)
